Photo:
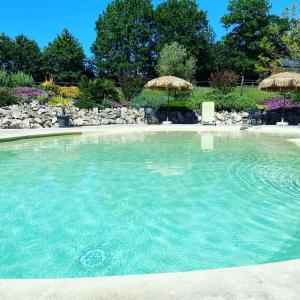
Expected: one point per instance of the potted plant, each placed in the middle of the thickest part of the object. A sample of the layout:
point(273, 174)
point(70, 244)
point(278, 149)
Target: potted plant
point(63, 120)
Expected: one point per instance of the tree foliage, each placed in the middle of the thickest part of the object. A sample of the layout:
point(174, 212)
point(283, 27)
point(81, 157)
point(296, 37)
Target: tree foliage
point(225, 82)
point(63, 59)
point(131, 85)
point(27, 56)
point(125, 37)
point(174, 60)
point(248, 22)
point(183, 22)
point(6, 52)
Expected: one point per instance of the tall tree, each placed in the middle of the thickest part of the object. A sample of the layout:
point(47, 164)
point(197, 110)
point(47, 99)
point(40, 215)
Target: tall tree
point(125, 39)
point(248, 21)
point(64, 58)
point(27, 56)
point(175, 61)
point(6, 52)
point(183, 22)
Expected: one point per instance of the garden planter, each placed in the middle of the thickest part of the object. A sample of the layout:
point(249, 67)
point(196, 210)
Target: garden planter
point(63, 121)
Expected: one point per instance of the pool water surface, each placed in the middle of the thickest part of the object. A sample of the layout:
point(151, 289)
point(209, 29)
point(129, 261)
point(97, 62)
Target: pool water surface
point(141, 203)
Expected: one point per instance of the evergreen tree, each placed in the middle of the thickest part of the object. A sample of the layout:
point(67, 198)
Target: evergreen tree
point(64, 58)
point(183, 22)
point(27, 56)
point(248, 22)
point(125, 39)
point(6, 52)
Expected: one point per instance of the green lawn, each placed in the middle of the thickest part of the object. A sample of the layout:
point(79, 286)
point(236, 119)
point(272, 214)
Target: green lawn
point(199, 92)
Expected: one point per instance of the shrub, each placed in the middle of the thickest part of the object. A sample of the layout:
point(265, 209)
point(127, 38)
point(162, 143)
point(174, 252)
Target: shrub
point(20, 79)
point(84, 103)
point(69, 91)
point(43, 99)
point(50, 86)
point(63, 102)
point(98, 92)
point(146, 101)
point(279, 102)
point(222, 101)
point(28, 94)
point(6, 97)
point(224, 82)
point(4, 78)
point(131, 86)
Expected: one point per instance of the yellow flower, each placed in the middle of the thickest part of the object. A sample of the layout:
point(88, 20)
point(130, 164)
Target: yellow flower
point(69, 91)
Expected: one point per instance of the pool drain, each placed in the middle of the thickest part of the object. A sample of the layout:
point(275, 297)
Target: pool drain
point(92, 258)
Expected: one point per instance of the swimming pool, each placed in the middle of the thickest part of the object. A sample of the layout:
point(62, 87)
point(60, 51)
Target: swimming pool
point(147, 203)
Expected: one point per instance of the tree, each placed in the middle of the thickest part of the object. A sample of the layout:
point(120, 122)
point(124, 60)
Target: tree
point(175, 61)
point(248, 22)
point(125, 39)
point(183, 22)
point(282, 41)
point(290, 39)
point(6, 52)
point(64, 58)
point(27, 56)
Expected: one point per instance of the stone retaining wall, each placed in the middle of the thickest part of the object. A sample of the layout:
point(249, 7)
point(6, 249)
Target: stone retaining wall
point(43, 116)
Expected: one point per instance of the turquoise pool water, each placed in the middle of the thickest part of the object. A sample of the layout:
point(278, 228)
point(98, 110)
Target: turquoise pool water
point(147, 203)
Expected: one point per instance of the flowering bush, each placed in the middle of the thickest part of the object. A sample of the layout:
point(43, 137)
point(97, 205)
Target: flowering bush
point(50, 86)
point(116, 104)
point(27, 94)
point(69, 91)
point(276, 103)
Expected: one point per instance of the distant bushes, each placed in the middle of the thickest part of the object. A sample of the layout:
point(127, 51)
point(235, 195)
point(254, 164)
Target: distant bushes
point(6, 97)
point(15, 79)
point(222, 101)
point(224, 82)
point(96, 93)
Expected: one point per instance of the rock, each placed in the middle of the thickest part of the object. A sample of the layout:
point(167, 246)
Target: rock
point(104, 121)
point(15, 124)
point(95, 122)
point(95, 110)
point(238, 118)
point(78, 122)
point(16, 114)
point(35, 126)
point(25, 124)
point(54, 120)
point(38, 121)
point(120, 121)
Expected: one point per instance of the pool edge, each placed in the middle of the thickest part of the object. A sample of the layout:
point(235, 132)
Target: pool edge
point(269, 281)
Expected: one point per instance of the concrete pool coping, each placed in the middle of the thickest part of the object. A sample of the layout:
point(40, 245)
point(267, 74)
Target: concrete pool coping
point(270, 281)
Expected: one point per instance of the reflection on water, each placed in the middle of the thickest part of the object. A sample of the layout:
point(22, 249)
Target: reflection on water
point(207, 141)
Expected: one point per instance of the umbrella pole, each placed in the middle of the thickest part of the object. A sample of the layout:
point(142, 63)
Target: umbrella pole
point(168, 107)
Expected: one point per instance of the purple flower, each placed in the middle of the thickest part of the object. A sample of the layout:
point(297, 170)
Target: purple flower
point(29, 93)
point(276, 103)
point(117, 104)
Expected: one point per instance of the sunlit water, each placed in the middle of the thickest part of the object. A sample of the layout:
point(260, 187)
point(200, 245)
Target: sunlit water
point(147, 203)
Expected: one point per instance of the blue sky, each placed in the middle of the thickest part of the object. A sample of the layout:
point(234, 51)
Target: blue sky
point(43, 20)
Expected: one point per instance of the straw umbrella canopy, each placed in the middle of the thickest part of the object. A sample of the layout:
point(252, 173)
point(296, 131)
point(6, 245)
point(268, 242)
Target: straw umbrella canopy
point(169, 84)
point(283, 83)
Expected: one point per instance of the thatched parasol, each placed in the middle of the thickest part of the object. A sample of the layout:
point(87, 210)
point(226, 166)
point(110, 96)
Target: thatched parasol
point(283, 83)
point(169, 83)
